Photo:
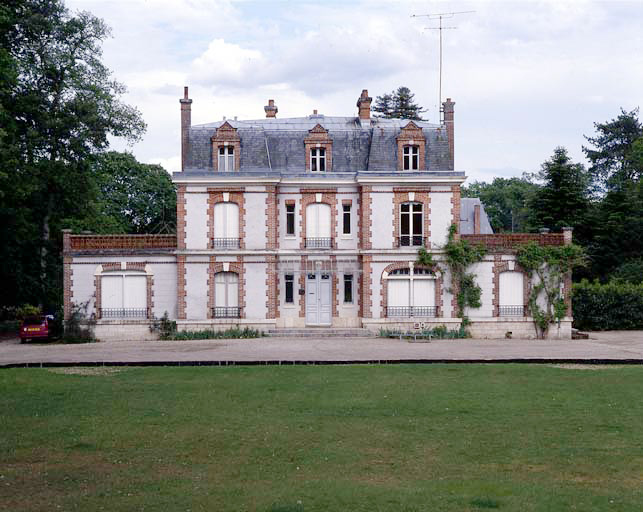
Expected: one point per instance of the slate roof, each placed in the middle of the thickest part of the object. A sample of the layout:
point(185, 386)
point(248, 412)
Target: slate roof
point(467, 205)
point(276, 146)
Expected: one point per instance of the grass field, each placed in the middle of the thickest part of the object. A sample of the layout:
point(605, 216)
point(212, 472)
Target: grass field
point(322, 438)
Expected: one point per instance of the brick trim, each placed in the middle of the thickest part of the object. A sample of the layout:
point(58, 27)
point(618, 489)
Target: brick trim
point(455, 209)
point(439, 301)
point(150, 296)
point(499, 267)
point(401, 196)
point(138, 266)
point(236, 196)
point(318, 137)
point(272, 218)
point(68, 282)
point(411, 135)
point(272, 288)
point(98, 296)
point(234, 267)
point(181, 289)
point(309, 197)
point(181, 227)
point(366, 279)
point(365, 220)
point(226, 135)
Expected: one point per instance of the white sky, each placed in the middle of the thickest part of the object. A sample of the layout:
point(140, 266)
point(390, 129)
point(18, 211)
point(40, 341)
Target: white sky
point(526, 76)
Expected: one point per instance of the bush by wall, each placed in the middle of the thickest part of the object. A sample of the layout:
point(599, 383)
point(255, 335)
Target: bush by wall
point(615, 305)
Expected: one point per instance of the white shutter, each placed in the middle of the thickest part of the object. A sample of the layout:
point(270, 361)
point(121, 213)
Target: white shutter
point(398, 292)
point(219, 290)
point(135, 292)
point(511, 289)
point(219, 220)
point(424, 292)
point(324, 220)
point(233, 289)
point(111, 292)
point(312, 215)
point(232, 220)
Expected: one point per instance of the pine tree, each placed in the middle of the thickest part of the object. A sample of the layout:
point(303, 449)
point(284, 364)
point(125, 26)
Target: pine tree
point(398, 104)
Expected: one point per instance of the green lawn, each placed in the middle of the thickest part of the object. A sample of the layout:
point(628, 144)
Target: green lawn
point(323, 438)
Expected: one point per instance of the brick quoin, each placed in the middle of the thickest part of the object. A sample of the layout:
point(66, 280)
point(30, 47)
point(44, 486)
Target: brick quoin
point(455, 209)
point(366, 302)
point(365, 221)
point(181, 290)
point(180, 217)
point(272, 288)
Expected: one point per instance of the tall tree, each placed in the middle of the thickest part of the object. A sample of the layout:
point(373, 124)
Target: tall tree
point(611, 150)
point(563, 199)
point(64, 105)
point(505, 201)
point(399, 104)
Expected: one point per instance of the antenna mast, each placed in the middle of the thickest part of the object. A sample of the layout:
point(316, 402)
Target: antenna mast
point(440, 16)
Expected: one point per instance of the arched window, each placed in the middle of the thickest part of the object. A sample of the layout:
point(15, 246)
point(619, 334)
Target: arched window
point(123, 295)
point(411, 294)
point(510, 300)
point(318, 226)
point(226, 226)
point(411, 224)
point(226, 295)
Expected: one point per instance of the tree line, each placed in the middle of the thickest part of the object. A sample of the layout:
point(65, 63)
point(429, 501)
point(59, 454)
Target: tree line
point(58, 105)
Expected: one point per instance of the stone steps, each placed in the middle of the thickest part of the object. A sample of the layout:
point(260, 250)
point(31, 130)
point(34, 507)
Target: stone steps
point(321, 332)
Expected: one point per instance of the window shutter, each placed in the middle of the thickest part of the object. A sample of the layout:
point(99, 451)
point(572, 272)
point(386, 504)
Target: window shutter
point(111, 292)
point(135, 292)
point(511, 289)
point(423, 292)
point(398, 292)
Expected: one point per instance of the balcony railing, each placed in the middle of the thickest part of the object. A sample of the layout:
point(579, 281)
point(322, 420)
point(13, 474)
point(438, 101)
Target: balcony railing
point(411, 311)
point(319, 243)
point(226, 312)
point(511, 310)
point(123, 312)
point(410, 240)
point(226, 243)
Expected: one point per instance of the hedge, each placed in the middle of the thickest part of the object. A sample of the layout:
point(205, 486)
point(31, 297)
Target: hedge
point(615, 305)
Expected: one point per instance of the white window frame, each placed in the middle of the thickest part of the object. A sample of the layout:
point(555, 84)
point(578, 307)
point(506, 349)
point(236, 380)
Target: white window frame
point(411, 158)
point(229, 280)
point(226, 158)
point(411, 277)
point(317, 158)
point(125, 297)
point(347, 209)
point(411, 233)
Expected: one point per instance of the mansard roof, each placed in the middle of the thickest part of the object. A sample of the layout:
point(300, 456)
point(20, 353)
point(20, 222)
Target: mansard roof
point(276, 146)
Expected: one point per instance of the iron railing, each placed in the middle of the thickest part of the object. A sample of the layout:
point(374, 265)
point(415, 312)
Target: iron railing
point(226, 243)
point(226, 312)
point(319, 243)
point(410, 240)
point(511, 310)
point(413, 311)
point(123, 312)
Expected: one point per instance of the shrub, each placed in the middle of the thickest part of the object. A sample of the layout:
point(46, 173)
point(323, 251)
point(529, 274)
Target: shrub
point(439, 332)
point(209, 334)
point(164, 327)
point(79, 327)
point(615, 305)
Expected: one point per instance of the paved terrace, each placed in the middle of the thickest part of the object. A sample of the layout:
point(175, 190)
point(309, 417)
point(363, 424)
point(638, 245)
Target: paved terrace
point(616, 346)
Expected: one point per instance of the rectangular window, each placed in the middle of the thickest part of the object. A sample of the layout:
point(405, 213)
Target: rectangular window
point(318, 159)
point(290, 289)
point(226, 158)
point(347, 219)
point(348, 288)
point(411, 228)
point(411, 158)
point(290, 219)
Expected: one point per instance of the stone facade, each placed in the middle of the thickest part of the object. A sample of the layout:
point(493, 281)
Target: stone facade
point(277, 270)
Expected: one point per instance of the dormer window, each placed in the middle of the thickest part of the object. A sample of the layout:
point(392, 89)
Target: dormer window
point(318, 159)
point(411, 158)
point(226, 158)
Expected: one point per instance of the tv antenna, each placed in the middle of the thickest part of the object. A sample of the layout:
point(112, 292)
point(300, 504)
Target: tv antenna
point(439, 17)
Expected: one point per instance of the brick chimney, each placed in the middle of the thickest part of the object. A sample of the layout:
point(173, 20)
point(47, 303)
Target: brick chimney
point(447, 109)
point(186, 122)
point(476, 219)
point(271, 109)
point(364, 106)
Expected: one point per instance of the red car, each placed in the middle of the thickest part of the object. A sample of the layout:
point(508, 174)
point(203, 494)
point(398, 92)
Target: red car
point(34, 327)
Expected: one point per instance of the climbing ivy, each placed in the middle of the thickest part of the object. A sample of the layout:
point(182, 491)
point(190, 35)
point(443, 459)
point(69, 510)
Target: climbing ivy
point(550, 264)
point(460, 255)
point(425, 258)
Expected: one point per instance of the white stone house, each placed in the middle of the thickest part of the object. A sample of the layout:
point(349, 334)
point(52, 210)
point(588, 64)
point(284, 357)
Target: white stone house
point(313, 222)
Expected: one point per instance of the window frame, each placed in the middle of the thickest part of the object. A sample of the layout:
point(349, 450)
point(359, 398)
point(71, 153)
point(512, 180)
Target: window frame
point(289, 279)
point(226, 156)
point(318, 159)
point(405, 274)
point(411, 224)
point(348, 279)
point(411, 157)
point(346, 219)
point(290, 217)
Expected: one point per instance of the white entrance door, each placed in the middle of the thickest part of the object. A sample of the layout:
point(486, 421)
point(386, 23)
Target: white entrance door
point(318, 299)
